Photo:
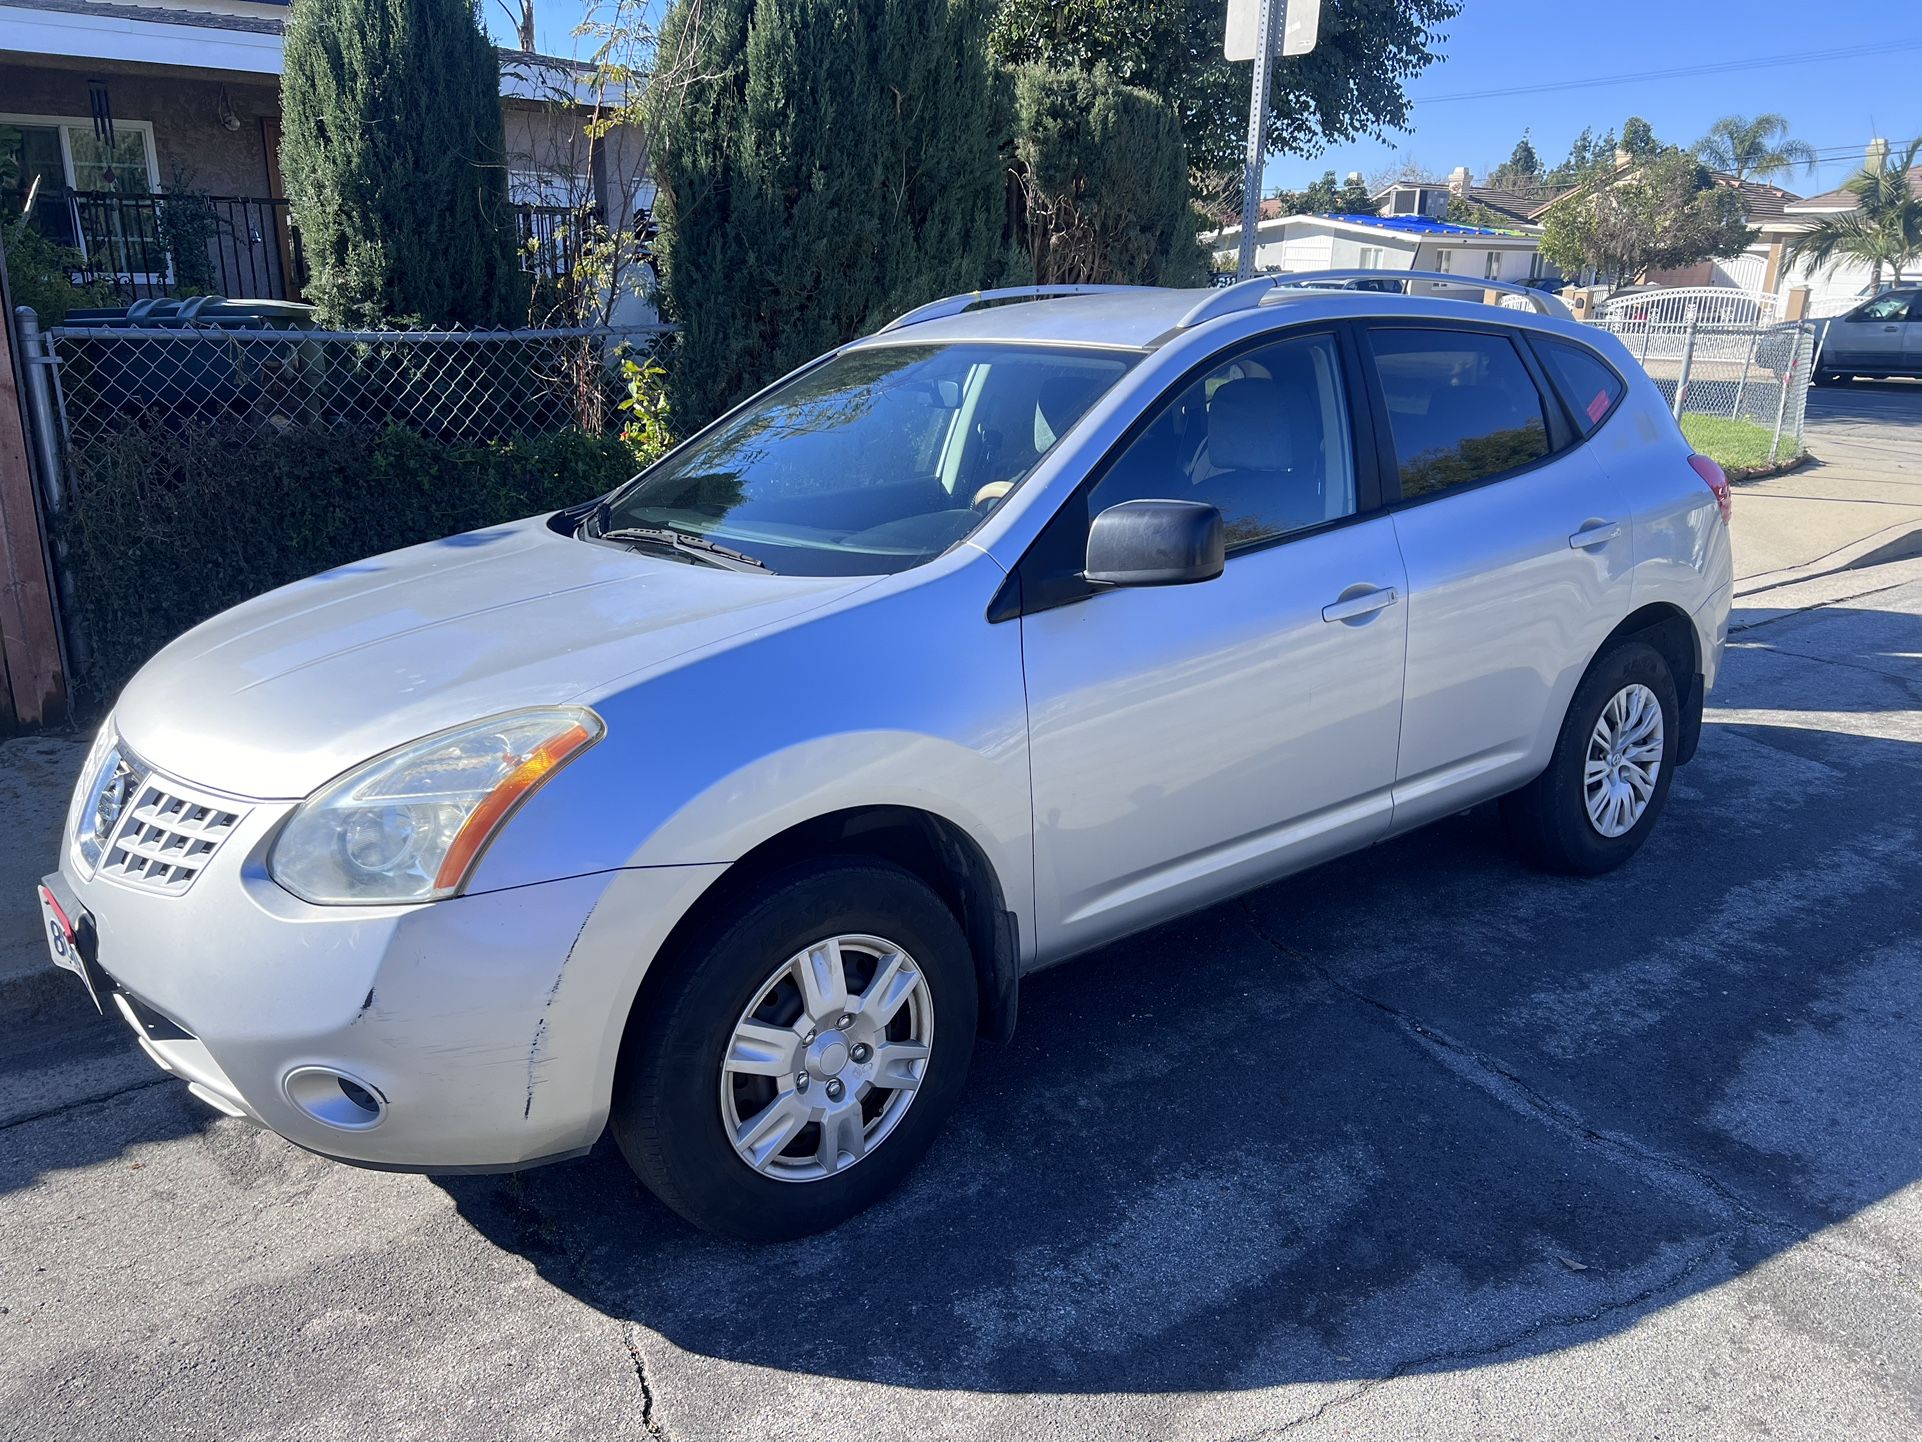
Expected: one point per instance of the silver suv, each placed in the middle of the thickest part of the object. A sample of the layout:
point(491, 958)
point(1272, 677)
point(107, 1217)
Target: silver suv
point(731, 807)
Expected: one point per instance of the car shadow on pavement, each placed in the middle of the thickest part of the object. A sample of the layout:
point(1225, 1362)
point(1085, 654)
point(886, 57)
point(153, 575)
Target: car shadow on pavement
point(1420, 1108)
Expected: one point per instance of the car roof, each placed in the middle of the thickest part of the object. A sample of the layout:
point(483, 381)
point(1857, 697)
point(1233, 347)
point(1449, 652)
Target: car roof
point(1140, 317)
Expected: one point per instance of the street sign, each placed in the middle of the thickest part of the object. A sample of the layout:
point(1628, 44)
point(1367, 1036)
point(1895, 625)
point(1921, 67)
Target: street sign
point(1298, 35)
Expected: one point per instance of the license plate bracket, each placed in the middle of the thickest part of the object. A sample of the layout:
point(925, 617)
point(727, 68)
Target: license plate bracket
point(71, 940)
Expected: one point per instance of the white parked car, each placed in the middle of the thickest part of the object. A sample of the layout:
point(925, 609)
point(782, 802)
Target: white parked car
point(732, 807)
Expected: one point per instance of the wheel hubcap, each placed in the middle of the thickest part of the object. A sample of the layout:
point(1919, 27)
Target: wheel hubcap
point(1624, 758)
point(826, 1058)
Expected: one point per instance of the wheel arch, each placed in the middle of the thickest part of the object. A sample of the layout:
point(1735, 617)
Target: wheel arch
point(1671, 631)
point(932, 847)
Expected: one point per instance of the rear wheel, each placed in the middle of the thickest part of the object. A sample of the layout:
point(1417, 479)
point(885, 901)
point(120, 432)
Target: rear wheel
point(801, 1052)
point(1608, 778)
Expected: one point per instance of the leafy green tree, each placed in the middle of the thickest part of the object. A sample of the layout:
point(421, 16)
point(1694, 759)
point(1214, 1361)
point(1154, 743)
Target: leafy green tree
point(1758, 147)
point(824, 165)
point(1584, 154)
point(1638, 138)
point(1325, 197)
point(1522, 168)
point(1884, 230)
point(392, 149)
point(1663, 212)
point(1349, 85)
point(1102, 182)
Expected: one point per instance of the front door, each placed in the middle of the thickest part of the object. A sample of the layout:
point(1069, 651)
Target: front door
point(1518, 559)
point(1190, 741)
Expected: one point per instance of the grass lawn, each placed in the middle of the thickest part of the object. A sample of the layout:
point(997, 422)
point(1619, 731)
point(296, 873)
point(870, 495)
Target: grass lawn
point(1732, 444)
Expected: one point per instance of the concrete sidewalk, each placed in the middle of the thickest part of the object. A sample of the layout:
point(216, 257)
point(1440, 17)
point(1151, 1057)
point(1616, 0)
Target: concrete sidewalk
point(36, 778)
point(1856, 502)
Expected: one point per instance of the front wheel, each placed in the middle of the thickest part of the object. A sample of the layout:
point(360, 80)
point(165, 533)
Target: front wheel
point(800, 1053)
point(1609, 775)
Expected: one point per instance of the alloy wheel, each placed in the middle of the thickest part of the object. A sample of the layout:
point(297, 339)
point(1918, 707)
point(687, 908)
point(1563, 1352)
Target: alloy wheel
point(826, 1059)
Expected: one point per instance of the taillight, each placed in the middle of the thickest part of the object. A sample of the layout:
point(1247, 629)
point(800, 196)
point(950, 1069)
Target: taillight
point(1713, 478)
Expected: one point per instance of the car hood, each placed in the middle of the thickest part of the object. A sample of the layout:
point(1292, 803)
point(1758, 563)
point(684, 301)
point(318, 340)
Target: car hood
point(280, 694)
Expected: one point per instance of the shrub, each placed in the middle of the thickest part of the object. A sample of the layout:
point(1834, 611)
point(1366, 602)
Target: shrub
point(1101, 182)
point(824, 165)
point(40, 274)
point(393, 153)
point(168, 524)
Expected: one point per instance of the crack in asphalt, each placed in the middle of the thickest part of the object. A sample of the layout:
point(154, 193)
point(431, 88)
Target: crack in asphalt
point(559, 1240)
point(1693, 1184)
point(1674, 1282)
point(63, 1108)
point(631, 1332)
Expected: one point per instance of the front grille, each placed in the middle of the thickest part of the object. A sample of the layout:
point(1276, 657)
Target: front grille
point(165, 839)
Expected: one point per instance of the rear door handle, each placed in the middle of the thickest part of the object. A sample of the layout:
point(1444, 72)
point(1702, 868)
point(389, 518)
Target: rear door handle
point(1599, 534)
point(1366, 604)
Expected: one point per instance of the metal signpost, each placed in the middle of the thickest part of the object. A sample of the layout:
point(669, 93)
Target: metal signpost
point(1253, 29)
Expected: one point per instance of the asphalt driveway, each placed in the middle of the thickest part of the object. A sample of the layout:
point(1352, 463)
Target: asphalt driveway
point(1420, 1144)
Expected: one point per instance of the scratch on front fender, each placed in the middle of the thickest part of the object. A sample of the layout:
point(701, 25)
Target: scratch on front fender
point(537, 1049)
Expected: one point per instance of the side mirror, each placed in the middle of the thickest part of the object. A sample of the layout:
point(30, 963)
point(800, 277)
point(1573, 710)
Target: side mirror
point(1156, 543)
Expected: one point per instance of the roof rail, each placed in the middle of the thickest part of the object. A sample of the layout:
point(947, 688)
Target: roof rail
point(956, 304)
point(1248, 294)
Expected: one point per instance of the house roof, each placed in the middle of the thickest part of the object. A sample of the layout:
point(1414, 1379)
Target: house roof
point(1842, 198)
point(1419, 225)
point(157, 14)
point(115, 16)
point(1416, 228)
point(1521, 203)
point(1763, 202)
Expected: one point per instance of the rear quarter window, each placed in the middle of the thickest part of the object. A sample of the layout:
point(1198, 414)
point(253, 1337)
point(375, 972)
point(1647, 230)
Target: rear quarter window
point(1588, 383)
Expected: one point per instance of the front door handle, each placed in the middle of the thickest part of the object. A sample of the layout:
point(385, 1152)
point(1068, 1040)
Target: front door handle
point(1599, 533)
point(1366, 604)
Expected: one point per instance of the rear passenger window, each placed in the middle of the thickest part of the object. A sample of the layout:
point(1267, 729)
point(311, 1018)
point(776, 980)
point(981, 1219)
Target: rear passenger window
point(1461, 406)
point(1590, 387)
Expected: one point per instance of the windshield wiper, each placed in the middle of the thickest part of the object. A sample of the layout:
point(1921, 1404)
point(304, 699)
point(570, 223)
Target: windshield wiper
point(699, 547)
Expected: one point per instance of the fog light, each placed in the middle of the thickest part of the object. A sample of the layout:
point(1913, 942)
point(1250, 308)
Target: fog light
point(334, 1099)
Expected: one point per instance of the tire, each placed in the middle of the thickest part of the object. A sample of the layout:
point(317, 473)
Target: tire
point(1549, 819)
point(670, 1103)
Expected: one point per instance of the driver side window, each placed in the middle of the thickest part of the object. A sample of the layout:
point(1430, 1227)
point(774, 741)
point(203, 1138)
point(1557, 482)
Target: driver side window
point(1884, 307)
point(1263, 438)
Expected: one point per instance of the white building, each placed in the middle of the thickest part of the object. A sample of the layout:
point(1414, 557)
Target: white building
point(1293, 243)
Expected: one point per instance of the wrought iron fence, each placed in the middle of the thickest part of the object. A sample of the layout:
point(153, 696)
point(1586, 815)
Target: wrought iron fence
point(147, 246)
point(142, 247)
point(1717, 361)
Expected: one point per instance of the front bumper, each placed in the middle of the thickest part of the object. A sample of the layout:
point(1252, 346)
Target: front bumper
point(485, 1027)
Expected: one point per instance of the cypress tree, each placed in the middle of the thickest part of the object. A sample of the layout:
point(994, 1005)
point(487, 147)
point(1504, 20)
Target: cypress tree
point(824, 165)
point(1103, 182)
point(392, 154)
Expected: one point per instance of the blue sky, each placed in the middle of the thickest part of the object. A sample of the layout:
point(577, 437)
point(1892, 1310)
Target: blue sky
point(1840, 70)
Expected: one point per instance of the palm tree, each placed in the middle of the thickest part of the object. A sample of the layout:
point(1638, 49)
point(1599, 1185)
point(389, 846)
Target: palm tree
point(1884, 229)
point(1760, 147)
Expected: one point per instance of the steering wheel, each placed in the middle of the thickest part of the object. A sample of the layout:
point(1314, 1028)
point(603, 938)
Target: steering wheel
point(991, 495)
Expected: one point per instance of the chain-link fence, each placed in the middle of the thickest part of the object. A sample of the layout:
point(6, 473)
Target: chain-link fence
point(188, 468)
point(448, 385)
point(1746, 371)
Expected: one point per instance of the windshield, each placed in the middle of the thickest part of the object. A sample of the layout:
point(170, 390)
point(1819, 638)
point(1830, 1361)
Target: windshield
point(872, 462)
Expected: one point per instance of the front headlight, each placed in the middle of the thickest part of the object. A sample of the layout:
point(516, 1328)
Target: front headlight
point(409, 826)
point(109, 781)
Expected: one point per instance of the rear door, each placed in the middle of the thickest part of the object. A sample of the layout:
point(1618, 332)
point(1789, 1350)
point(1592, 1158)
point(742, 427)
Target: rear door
point(1518, 566)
